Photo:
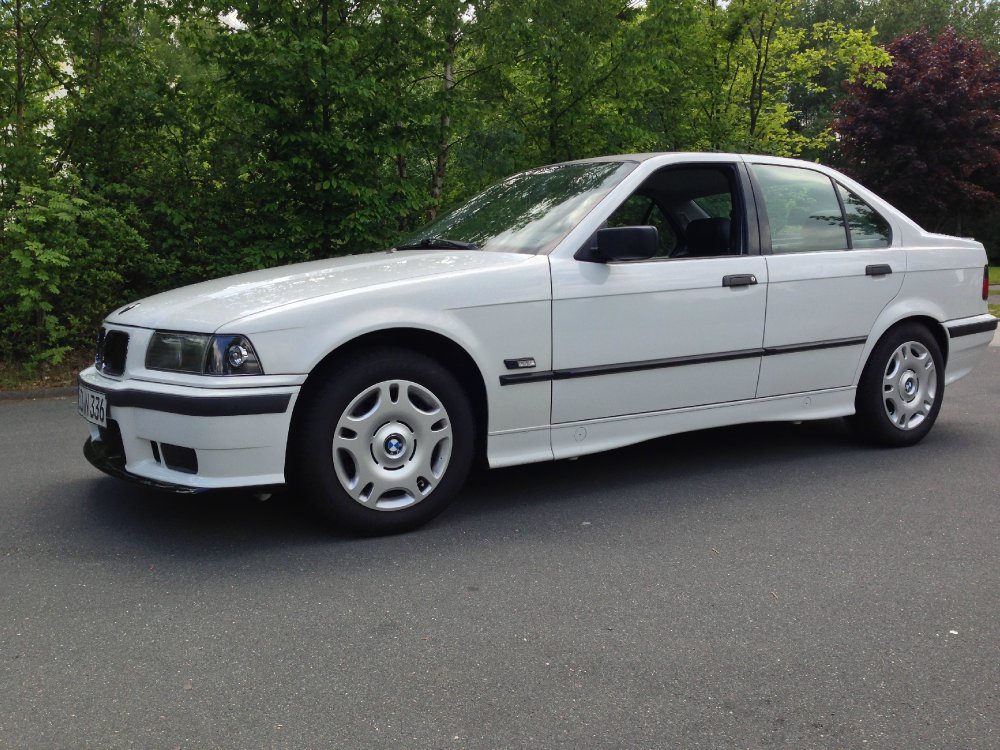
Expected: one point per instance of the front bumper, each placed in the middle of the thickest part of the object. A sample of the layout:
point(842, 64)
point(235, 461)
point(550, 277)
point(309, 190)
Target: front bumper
point(184, 438)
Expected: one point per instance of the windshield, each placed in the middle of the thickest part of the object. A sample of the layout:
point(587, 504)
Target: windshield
point(527, 213)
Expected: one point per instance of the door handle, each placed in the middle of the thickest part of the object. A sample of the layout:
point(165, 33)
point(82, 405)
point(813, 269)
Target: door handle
point(878, 269)
point(739, 279)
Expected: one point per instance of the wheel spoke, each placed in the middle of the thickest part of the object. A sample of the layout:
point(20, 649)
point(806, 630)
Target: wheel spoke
point(364, 412)
point(430, 426)
point(893, 409)
point(431, 463)
point(367, 486)
point(893, 367)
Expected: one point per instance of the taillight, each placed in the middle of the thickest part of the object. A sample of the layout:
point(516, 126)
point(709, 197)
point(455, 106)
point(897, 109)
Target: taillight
point(986, 282)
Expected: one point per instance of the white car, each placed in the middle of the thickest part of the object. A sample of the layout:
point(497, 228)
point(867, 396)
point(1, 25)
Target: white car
point(569, 309)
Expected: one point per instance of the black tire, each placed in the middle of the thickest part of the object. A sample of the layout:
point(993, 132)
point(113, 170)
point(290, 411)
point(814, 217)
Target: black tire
point(414, 452)
point(906, 357)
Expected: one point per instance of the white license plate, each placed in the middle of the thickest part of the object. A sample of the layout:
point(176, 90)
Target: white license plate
point(92, 406)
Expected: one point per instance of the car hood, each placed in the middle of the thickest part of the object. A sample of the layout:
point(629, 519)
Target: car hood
point(206, 306)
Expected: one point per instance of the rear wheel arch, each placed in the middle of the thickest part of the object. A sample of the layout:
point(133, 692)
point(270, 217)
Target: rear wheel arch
point(901, 387)
point(933, 326)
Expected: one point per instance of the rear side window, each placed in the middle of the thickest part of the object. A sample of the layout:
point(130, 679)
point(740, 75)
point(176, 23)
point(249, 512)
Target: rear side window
point(802, 210)
point(868, 228)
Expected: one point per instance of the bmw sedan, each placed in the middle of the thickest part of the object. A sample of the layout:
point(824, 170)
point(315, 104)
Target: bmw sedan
point(566, 310)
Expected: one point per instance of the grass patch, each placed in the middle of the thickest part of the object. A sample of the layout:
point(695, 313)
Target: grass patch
point(995, 309)
point(994, 275)
point(18, 377)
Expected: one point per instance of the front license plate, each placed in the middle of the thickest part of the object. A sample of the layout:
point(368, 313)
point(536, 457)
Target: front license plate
point(92, 406)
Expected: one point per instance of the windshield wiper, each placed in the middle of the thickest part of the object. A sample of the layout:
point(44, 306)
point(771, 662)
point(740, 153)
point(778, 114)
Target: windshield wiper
point(439, 243)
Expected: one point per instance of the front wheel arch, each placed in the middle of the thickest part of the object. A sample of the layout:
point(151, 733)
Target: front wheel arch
point(383, 443)
point(445, 351)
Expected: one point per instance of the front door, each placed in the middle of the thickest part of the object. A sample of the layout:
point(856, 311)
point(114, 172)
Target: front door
point(679, 330)
point(641, 337)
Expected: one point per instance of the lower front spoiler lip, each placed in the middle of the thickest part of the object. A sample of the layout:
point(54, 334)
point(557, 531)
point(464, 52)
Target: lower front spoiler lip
point(104, 457)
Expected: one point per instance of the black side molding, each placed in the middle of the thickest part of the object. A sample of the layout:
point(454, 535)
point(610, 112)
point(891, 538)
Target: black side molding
point(195, 406)
point(661, 364)
point(771, 351)
point(970, 328)
point(515, 378)
point(878, 269)
point(211, 406)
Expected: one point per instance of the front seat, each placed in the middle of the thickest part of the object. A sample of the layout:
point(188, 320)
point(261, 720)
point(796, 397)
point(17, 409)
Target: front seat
point(706, 237)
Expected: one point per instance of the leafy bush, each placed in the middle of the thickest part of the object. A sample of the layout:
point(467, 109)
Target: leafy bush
point(65, 260)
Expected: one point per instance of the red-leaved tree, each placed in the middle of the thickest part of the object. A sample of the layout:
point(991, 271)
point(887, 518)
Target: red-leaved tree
point(929, 142)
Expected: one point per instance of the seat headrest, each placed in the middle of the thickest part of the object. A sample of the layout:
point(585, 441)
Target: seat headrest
point(708, 237)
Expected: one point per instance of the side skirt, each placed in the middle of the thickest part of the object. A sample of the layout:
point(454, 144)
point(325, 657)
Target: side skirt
point(569, 439)
point(580, 438)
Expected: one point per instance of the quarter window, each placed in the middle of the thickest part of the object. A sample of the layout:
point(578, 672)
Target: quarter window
point(802, 210)
point(868, 228)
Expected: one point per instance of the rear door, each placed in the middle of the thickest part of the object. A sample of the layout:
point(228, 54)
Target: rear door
point(831, 270)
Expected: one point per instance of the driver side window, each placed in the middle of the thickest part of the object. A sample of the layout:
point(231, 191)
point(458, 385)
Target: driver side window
point(639, 210)
point(695, 210)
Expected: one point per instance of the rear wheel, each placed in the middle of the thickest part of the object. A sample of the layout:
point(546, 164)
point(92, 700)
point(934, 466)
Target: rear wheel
point(385, 443)
point(901, 388)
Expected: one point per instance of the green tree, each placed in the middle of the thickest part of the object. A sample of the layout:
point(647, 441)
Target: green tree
point(748, 59)
point(554, 73)
point(973, 19)
point(318, 110)
point(29, 92)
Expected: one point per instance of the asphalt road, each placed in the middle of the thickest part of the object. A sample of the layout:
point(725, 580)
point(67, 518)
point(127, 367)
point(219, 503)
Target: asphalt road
point(762, 586)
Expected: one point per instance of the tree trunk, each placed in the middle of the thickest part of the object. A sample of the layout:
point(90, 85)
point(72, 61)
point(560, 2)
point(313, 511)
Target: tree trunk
point(444, 138)
point(20, 88)
point(326, 122)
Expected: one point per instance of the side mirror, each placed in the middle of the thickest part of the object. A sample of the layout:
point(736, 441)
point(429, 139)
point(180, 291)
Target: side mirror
point(621, 243)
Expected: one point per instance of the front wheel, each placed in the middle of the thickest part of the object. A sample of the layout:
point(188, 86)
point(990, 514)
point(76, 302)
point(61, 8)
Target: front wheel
point(901, 388)
point(385, 443)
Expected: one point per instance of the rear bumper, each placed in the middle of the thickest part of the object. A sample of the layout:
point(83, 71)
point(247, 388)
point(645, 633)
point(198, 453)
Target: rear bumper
point(977, 324)
point(968, 338)
point(189, 439)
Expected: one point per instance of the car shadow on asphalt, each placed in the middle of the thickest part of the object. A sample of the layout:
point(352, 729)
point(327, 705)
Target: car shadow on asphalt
point(660, 473)
point(234, 517)
point(669, 463)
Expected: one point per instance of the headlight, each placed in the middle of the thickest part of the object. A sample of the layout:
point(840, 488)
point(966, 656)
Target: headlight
point(232, 355)
point(202, 354)
point(177, 352)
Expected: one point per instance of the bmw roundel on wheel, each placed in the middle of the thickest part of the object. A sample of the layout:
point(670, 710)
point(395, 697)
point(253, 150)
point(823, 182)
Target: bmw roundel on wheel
point(632, 296)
